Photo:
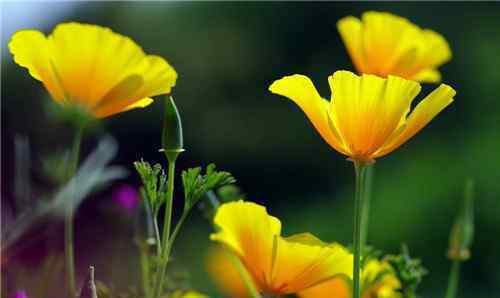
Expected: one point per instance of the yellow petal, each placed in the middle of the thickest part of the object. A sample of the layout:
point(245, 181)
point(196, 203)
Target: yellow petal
point(428, 76)
point(338, 287)
point(301, 90)
point(140, 104)
point(118, 98)
point(350, 29)
point(187, 294)
point(368, 109)
point(248, 230)
point(385, 44)
point(30, 49)
point(303, 261)
point(423, 113)
point(225, 274)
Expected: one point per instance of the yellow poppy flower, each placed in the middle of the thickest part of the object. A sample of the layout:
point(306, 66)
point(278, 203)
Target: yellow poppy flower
point(93, 67)
point(368, 116)
point(384, 44)
point(278, 265)
point(378, 280)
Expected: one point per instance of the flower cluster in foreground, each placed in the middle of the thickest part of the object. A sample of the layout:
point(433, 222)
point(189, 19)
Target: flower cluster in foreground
point(278, 265)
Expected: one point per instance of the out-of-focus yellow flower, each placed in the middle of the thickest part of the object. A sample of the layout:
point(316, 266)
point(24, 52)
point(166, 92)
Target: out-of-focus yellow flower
point(187, 294)
point(368, 116)
point(378, 280)
point(278, 265)
point(93, 67)
point(384, 44)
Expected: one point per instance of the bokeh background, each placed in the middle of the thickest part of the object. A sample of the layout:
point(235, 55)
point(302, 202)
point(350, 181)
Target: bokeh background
point(226, 55)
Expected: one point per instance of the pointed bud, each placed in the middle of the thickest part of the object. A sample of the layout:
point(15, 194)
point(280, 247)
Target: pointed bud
point(172, 140)
point(462, 233)
point(89, 289)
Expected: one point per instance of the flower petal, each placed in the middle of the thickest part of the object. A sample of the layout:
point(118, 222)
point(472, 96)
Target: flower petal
point(250, 232)
point(303, 261)
point(31, 50)
point(301, 90)
point(351, 32)
point(368, 109)
point(423, 113)
point(339, 287)
point(142, 103)
point(118, 98)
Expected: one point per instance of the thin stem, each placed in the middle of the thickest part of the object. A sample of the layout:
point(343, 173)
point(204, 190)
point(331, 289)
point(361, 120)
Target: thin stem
point(69, 217)
point(452, 290)
point(146, 284)
point(365, 217)
point(166, 225)
point(360, 169)
point(157, 236)
point(176, 230)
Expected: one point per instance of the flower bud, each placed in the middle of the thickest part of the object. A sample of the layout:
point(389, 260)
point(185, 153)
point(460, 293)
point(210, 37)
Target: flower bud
point(462, 232)
point(172, 140)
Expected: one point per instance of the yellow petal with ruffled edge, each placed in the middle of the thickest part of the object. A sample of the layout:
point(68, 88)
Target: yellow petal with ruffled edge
point(423, 113)
point(250, 232)
point(367, 109)
point(303, 261)
point(31, 50)
point(301, 90)
point(385, 44)
point(93, 67)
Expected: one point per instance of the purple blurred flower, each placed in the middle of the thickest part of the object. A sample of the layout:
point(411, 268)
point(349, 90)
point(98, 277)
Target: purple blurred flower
point(20, 294)
point(127, 197)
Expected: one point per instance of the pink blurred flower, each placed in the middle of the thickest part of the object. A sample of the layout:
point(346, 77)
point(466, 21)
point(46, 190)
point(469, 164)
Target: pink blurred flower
point(20, 294)
point(126, 197)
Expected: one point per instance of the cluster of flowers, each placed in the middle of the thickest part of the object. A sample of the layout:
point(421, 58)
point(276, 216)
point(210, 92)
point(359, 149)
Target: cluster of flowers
point(367, 117)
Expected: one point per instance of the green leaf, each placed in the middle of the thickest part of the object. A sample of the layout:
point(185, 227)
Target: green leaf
point(409, 271)
point(196, 184)
point(154, 182)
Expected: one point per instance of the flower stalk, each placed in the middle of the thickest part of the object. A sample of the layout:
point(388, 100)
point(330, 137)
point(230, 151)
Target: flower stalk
point(360, 170)
point(69, 217)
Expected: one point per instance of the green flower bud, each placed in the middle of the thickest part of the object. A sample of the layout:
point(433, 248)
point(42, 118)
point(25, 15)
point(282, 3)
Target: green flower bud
point(172, 140)
point(462, 232)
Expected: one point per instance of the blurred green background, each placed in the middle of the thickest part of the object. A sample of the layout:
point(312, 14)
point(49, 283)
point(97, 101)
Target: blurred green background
point(227, 54)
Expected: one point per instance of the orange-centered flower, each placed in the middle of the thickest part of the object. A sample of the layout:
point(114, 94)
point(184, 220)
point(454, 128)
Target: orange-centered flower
point(278, 265)
point(90, 66)
point(384, 44)
point(367, 116)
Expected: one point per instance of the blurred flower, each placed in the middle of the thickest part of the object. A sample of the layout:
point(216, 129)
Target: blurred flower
point(187, 294)
point(378, 280)
point(367, 115)
point(278, 265)
point(20, 294)
point(126, 197)
point(384, 44)
point(92, 67)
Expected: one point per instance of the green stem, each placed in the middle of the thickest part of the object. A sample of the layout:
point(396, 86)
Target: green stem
point(157, 236)
point(360, 169)
point(171, 157)
point(69, 217)
point(146, 284)
point(367, 202)
point(453, 280)
point(176, 230)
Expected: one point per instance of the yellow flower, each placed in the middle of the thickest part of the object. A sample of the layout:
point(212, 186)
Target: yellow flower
point(378, 280)
point(90, 66)
point(367, 115)
point(278, 265)
point(384, 44)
